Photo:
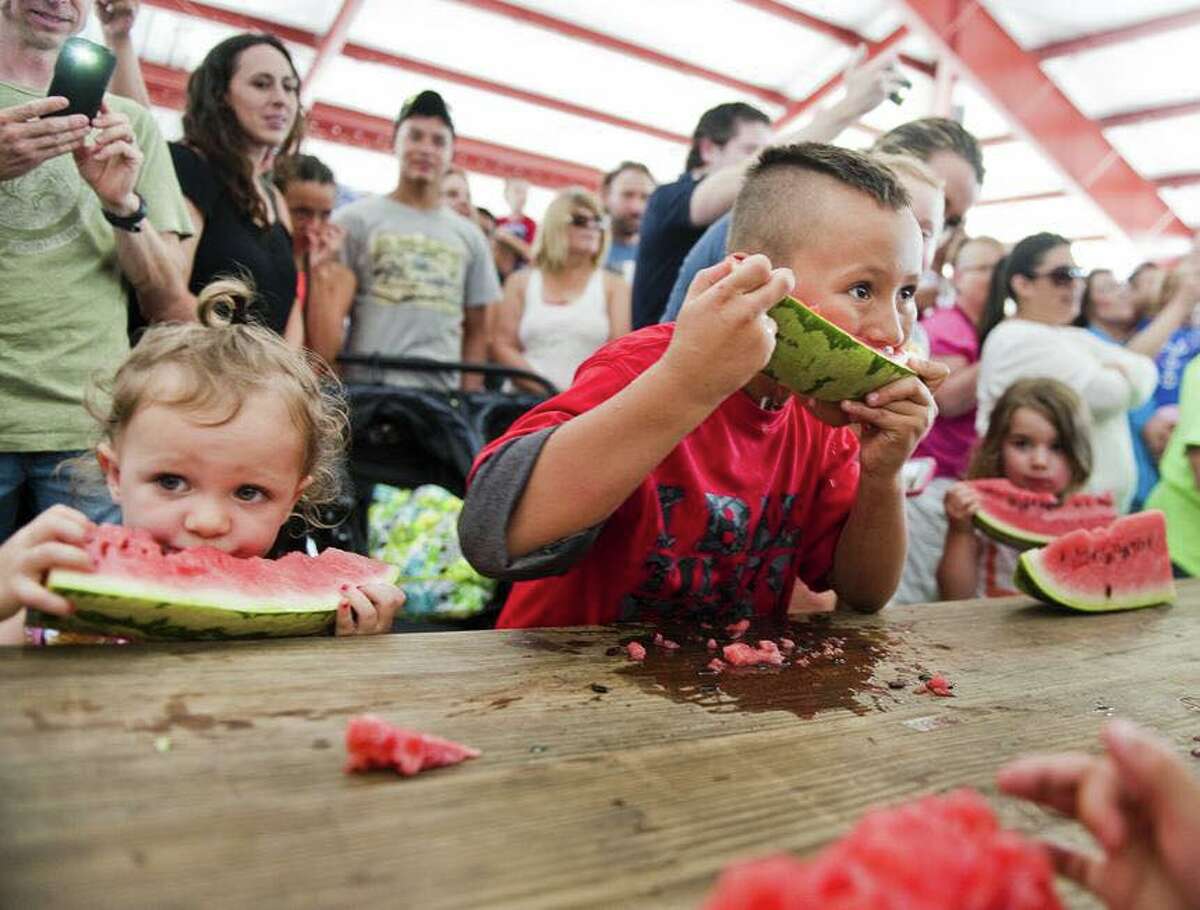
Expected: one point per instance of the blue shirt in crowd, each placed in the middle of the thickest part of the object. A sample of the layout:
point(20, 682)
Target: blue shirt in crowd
point(708, 250)
point(667, 235)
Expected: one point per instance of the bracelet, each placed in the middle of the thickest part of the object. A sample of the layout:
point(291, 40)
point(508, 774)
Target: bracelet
point(131, 223)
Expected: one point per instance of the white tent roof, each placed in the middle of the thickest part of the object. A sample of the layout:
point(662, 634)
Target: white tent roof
point(517, 81)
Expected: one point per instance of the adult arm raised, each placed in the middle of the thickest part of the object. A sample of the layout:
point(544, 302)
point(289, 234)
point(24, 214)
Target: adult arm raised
point(867, 84)
point(116, 21)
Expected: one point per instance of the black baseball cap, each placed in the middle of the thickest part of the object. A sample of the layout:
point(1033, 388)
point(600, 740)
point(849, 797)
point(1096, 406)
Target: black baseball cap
point(425, 104)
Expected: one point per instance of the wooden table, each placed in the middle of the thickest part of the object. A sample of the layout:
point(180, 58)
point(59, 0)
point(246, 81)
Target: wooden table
point(210, 774)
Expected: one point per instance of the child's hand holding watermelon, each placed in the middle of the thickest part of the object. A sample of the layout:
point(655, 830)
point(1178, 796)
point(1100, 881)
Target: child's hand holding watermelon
point(368, 610)
point(52, 540)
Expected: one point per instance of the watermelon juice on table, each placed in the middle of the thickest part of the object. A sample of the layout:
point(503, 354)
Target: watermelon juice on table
point(817, 359)
point(139, 590)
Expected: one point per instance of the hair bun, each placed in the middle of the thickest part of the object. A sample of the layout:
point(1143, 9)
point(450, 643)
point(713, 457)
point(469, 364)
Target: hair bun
point(225, 302)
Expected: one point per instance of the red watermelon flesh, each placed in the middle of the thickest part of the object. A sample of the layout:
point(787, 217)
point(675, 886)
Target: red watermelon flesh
point(937, 853)
point(1024, 518)
point(140, 590)
point(1121, 567)
point(372, 743)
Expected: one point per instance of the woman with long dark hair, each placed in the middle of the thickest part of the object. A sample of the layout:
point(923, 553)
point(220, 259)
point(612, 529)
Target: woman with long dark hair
point(243, 108)
point(1041, 278)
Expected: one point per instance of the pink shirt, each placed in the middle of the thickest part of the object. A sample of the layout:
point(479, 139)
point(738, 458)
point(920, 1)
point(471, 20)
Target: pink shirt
point(951, 333)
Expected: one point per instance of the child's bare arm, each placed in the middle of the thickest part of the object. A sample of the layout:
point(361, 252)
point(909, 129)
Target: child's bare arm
point(870, 552)
point(593, 462)
point(958, 572)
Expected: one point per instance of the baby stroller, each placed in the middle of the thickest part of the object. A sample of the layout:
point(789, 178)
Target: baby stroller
point(411, 437)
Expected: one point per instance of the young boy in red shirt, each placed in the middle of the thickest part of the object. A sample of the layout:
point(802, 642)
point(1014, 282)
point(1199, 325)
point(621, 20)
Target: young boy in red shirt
point(675, 476)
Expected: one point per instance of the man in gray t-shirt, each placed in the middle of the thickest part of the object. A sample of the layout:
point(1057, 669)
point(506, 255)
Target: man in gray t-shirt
point(424, 273)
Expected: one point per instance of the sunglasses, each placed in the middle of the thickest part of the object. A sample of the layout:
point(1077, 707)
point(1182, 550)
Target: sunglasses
point(1061, 276)
point(587, 221)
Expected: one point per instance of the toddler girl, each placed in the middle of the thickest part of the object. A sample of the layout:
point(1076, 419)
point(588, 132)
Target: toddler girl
point(212, 434)
point(1038, 439)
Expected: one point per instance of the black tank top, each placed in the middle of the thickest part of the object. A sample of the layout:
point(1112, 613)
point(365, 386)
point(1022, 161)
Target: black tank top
point(232, 245)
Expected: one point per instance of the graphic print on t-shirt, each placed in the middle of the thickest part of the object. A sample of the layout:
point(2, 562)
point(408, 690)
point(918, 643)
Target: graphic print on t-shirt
point(414, 270)
point(729, 561)
point(39, 211)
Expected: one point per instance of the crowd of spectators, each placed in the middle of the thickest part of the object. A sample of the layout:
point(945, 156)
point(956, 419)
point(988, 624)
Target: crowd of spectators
point(109, 213)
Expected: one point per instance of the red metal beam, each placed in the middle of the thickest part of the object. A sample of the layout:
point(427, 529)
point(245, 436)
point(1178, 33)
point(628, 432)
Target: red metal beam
point(796, 108)
point(372, 55)
point(840, 33)
point(1126, 118)
point(1014, 81)
point(168, 88)
point(628, 48)
point(1119, 35)
point(334, 40)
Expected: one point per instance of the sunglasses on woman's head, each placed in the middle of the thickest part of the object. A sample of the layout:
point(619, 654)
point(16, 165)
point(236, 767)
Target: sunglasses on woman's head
point(587, 221)
point(1062, 275)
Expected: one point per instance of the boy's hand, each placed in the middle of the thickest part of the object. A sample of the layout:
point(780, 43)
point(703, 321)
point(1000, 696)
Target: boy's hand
point(52, 540)
point(368, 610)
point(932, 373)
point(893, 420)
point(723, 336)
point(962, 502)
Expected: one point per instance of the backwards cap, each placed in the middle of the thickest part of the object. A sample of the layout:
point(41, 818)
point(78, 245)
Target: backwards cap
point(425, 104)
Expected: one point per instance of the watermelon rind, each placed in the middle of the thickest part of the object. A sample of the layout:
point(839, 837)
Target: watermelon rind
point(815, 358)
point(1009, 534)
point(1036, 578)
point(114, 606)
point(1024, 538)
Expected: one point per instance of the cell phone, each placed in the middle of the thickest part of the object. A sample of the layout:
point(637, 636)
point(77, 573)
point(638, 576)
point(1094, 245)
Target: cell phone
point(81, 75)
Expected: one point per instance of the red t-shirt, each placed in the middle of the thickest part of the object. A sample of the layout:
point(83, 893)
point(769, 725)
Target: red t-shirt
point(746, 502)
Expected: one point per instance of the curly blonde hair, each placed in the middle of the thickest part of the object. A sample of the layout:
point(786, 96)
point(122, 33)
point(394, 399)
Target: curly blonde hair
point(221, 361)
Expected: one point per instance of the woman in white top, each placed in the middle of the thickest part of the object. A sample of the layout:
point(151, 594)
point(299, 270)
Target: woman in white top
point(1042, 278)
point(558, 312)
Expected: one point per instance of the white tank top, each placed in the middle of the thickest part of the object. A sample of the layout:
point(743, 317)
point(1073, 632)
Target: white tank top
point(557, 338)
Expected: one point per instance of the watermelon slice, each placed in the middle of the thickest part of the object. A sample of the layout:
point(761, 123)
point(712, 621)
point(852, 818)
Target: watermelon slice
point(139, 591)
point(937, 853)
point(1023, 519)
point(373, 743)
point(1121, 567)
point(815, 358)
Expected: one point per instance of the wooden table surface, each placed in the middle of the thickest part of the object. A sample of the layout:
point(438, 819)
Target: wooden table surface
point(210, 774)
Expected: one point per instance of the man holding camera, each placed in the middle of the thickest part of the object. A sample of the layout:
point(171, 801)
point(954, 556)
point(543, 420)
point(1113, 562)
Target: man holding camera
point(88, 210)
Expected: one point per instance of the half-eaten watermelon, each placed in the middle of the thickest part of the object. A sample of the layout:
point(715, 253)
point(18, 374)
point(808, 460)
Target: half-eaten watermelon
point(139, 591)
point(1121, 567)
point(937, 853)
point(815, 358)
point(1024, 518)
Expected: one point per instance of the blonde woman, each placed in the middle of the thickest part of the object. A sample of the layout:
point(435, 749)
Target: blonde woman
point(556, 313)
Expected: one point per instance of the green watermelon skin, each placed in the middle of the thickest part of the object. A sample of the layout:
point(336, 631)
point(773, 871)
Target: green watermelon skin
point(139, 591)
point(1023, 519)
point(153, 620)
point(1125, 566)
point(815, 358)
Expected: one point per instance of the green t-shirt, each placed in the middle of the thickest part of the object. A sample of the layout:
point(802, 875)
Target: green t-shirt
point(1177, 494)
point(63, 309)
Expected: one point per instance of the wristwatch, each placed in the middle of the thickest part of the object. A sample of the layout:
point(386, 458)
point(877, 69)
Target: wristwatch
point(131, 223)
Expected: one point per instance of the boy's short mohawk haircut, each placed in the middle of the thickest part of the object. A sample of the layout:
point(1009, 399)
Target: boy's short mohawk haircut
point(772, 187)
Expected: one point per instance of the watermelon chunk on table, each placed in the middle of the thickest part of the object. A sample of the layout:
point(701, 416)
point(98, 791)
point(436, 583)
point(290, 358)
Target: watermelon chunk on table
point(1121, 567)
point(936, 853)
point(372, 743)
